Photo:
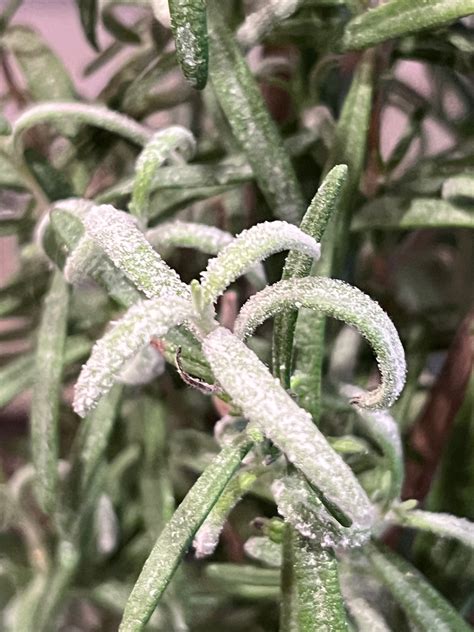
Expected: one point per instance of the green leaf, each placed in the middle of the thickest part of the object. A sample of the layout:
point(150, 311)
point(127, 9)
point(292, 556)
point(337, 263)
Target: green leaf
point(400, 17)
point(382, 428)
point(207, 537)
point(394, 213)
point(250, 247)
point(38, 62)
point(170, 143)
point(88, 12)
point(320, 604)
point(47, 391)
point(240, 98)
point(442, 524)
point(189, 26)
point(176, 537)
point(421, 602)
point(93, 438)
point(117, 28)
point(297, 265)
point(339, 300)
point(142, 322)
point(272, 410)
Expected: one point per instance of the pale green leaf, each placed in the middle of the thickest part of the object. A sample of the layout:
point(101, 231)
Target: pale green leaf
point(168, 144)
point(459, 187)
point(47, 391)
point(261, 21)
point(391, 212)
point(264, 402)
point(250, 247)
point(142, 322)
point(422, 603)
point(442, 524)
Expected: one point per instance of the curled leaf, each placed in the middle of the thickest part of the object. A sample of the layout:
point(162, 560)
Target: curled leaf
point(261, 21)
point(250, 247)
point(164, 145)
point(264, 402)
point(339, 300)
point(142, 322)
point(96, 115)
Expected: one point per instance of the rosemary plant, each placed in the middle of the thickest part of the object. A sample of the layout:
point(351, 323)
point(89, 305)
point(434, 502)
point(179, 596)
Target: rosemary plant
point(191, 467)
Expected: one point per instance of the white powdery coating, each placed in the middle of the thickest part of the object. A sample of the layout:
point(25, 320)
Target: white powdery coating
point(265, 403)
point(207, 239)
point(339, 300)
point(300, 506)
point(264, 550)
point(143, 321)
point(164, 144)
point(258, 23)
point(442, 524)
point(118, 235)
point(250, 247)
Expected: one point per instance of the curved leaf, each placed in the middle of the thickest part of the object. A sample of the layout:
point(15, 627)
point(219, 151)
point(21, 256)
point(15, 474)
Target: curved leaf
point(265, 403)
point(142, 322)
point(261, 21)
point(339, 300)
point(250, 247)
point(96, 115)
point(164, 145)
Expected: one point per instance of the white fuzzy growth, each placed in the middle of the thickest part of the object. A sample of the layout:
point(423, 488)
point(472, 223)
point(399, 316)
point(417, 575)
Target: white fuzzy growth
point(338, 300)
point(300, 506)
point(179, 234)
point(365, 616)
point(143, 321)
point(258, 23)
point(264, 550)
point(250, 247)
point(165, 144)
point(265, 403)
point(120, 238)
point(442, 524)
point(207, 239)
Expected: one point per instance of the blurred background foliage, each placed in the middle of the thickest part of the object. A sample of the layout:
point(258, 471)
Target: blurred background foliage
point(410, 247)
